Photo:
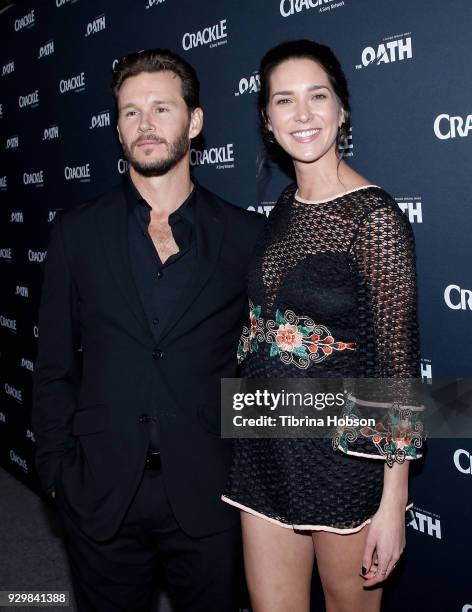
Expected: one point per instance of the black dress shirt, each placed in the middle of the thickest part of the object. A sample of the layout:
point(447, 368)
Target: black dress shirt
point(159, 284)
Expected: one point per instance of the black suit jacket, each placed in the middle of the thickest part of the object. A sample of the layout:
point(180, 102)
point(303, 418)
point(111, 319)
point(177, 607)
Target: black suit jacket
point(88, 417)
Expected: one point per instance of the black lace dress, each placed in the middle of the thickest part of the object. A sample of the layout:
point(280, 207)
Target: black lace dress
point(332, 294)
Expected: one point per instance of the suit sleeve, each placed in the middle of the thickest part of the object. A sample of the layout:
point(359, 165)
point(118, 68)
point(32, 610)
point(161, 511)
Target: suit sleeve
point(56, 375)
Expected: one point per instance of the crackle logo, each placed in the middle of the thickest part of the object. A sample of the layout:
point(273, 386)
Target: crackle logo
point(251, 84)
point(122, 166)
point(449, 126)
point(30, 435)
point(214, 36)
point(6, 255)
point(392, 49)
point(457, 298)
point(36, 256)
point(100, 120)
point(51, 132)
point(221, 157)
point(425, 522)
point(19, 461)
point(12, 143)
point(78, 173)
point(3, 418)
point(8, 68)
point(463, 461)
point(1, 111)
point(151, 3)
point(263, 208)
point(46, 49)
point(98, 24)
point(291, 7)
point(52, 215)
point(27, 21)
point(411, 206)
point(34, 178)
point(7, 323)
point(31, 99)
point(14, 393)
point(3, 183)
point(75, 83)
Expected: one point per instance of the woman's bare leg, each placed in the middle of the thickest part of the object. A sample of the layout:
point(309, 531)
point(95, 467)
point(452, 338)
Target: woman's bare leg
point(278, 563)
point(339, 559)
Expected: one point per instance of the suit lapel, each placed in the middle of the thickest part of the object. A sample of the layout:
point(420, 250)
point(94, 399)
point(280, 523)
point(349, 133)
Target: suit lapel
point(209, 228)
point(113, 229)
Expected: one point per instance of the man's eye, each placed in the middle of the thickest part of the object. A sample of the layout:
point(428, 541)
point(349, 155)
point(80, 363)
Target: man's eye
point(130, 113)
point(161, 109)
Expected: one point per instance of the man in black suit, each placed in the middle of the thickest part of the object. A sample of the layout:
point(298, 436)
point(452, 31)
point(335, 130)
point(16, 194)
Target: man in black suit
point(149, 281)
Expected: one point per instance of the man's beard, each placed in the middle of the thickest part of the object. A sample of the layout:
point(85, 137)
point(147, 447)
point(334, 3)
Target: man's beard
point(158, 167)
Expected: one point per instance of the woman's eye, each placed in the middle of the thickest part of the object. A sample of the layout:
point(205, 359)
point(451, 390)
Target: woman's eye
point(319, 96)
point(283, 100)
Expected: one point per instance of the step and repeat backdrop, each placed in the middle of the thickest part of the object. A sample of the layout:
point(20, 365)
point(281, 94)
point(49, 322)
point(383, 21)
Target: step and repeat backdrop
point(408, 66)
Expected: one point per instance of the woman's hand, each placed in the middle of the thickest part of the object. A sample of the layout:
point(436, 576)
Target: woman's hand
point(385, 543)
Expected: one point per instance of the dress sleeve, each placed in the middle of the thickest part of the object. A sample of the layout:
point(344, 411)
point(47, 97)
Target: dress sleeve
point(383, 253)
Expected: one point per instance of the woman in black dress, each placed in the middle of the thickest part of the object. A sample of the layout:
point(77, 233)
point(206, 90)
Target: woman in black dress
point(332, 294)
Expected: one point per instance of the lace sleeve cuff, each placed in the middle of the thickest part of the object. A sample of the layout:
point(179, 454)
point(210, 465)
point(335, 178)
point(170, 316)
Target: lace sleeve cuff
point(391, 432)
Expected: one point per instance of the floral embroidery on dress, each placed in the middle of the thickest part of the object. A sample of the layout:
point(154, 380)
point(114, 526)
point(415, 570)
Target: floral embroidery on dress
point(398, 439)
point(295, 340)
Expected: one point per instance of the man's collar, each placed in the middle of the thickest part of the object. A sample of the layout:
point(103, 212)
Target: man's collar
point(134, 198)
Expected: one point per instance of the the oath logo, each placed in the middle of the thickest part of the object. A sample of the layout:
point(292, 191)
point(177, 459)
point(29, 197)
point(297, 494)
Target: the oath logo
point(425, 522)
point(96, 25)
point(291, 7)
point(457, 298)
point(100, 120)
point(7, 323)
point(411, 206)
point(30, 100)
point(75, 83)
point(51, 132)
point(46, 49)
point(12, 143)
point(8, 68)
point(36, 256)
point(78, 173)
point(34, 178)
point(3, 183)
point(263, 208)
point(151, 3)
point(19, 461)
point(14, 393)
point(449, 126)
point(346, 146)
point(214, 36)
point(6, 254)
point(221, 157)
point(123, 166)
point(27, 21)
point(392, 49)
point(463, 461)
point(251, 84)
point(16, 216)
point(27, 364)
point(22, 291)
point(426, 370)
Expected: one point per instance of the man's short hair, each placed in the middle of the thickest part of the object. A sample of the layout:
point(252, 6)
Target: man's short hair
point(158, 60)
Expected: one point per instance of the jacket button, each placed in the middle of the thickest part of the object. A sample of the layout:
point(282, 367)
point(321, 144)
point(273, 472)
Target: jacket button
point(144, 419)
point(157, 354)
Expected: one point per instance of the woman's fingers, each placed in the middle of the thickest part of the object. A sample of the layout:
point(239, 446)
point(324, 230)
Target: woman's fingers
point(368, 556)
